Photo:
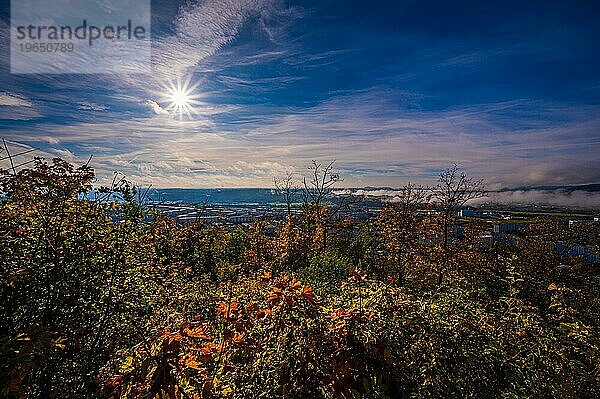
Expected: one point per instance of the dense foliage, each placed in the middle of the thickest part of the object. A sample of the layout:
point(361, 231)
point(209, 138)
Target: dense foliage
point(101, 297)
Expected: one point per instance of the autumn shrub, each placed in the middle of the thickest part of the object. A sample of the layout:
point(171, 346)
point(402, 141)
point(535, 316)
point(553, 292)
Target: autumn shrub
point(102, 297)
point(292, 245)
point(72, 282)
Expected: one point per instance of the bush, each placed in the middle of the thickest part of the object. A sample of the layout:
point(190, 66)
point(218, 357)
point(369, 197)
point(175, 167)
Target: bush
point(326, 272)
point(104, 299)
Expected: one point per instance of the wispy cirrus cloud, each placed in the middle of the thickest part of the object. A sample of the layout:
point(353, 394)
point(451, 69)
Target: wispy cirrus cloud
point(200, 30)
point(374, 142)
point(13, 100)
point(16, 107)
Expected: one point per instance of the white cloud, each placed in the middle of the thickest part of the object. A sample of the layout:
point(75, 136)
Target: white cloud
point(65, 154)
point(156, 108)
point(201, 29)
point(374, 142)
point(558, 197)
point(14, 100)
point(16, 107)
point(89, 106)
point(568, 198)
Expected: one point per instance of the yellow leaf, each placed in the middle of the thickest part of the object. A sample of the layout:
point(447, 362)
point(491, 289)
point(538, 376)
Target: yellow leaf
point(554, 304)
point(552, 287)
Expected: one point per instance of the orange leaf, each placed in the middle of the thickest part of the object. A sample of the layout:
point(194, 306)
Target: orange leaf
point(222, 308)
point(198, 332)
point(225, 310)
point(307, 293)
point(295, 284)
point(191, 362)
point(239, 339)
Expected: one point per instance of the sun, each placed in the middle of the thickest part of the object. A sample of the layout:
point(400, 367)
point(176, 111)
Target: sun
point(182, 98)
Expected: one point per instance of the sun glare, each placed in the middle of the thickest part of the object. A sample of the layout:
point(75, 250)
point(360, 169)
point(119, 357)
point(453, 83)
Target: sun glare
point(182, 99)
point(179, 98)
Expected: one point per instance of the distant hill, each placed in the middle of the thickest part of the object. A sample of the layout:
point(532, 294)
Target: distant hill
point(593, 187)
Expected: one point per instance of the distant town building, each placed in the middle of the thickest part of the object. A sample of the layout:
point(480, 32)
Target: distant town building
point(238, 219)
point(208, 219)
point(467, 213)
point(577, 250)
point(508, 227)
point(485, 240)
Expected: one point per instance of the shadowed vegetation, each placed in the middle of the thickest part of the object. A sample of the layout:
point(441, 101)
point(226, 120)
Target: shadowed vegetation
point(105, 298)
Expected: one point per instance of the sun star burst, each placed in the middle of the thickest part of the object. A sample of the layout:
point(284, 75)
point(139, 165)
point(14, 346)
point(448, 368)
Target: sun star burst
point(182, 98)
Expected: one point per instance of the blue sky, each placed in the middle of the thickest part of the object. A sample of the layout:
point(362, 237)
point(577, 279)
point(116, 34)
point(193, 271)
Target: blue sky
point(394, 91)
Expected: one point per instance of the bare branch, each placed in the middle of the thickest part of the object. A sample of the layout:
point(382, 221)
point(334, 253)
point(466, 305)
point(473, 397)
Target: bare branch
point(453, 191)
point(288, 189)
